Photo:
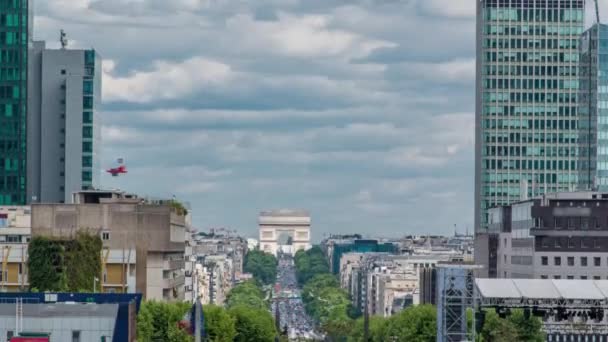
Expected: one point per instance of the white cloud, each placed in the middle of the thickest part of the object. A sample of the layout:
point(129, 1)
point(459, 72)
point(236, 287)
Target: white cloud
point(165, 81)
point(302, 36)
point(449, 8)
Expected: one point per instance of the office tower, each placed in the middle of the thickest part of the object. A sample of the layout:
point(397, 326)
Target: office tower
point(15, 33)
point(593, 110)
point(526, 102)
point(64, 130)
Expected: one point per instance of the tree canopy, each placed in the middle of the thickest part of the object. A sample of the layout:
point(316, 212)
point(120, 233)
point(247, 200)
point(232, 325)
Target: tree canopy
point(262, 266)
point(248, 294)
point(310, 263)
point(219, 324)
point(253, 324)
point(158, 321)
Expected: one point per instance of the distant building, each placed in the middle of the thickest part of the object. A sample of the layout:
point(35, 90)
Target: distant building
point(284, 230)
point(338, 248)
point(64, 127)
point(143, 240)
point(555, 236)
point(15, 232)
point(428, 286)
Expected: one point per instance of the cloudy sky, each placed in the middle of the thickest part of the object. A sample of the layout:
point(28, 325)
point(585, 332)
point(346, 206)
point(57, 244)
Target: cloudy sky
point(361, 111)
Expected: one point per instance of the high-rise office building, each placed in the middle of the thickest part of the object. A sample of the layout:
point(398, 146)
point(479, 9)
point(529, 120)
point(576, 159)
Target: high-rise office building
point(64, 129)
point(593, 110)
point(526, 102)
point(15, 33)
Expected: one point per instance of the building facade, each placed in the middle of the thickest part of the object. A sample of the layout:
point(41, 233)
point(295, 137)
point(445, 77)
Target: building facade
point(15, 232)
point(593, 109)
point(64, 128)
point(526, 101)
point(555, 236)
point(15, 34)
point(143, 240)
point(284, 230)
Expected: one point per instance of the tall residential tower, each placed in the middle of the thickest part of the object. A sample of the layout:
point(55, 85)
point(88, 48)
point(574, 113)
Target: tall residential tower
point(526, 102)
point(64, 130)
point(15, 33)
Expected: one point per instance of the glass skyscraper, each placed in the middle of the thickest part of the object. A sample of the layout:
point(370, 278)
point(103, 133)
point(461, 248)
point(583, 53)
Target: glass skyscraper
point(526, 100)
point(15, 30)
point(593, 110)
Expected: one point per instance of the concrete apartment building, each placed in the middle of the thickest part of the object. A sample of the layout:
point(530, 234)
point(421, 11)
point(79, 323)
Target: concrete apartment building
point(64, 128)
point(143, 240)
point(15, 234)
point(555, 236)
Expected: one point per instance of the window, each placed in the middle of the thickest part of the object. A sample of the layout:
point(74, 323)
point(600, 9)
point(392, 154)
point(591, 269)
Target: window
point(87, 87)
point(557, 277)
point(105, 236)
point(597, 277)
point(87, 161)
point(597, 261)
point(584, 261)
point(544, 260)
point(570, 243)
point(557, 261)
point(87, 132)
point(570, 261)
point(87, 102)
point(76, 336)
point(63, 71)
point(504, 242)
point(9, 335)
point(87, 146)
point(570, 277)
point(571, 223)
point(584, 277)
point(505, 257)
point(87, 176)
point(544, 277)
point(87, 117)
point(584, 223)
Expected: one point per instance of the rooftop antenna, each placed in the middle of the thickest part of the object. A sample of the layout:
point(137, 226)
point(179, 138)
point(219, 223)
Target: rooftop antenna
point(597, 11)
point(63, 39)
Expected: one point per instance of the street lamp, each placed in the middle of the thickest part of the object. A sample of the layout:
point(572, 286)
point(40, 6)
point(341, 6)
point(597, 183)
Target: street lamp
point(95, 280)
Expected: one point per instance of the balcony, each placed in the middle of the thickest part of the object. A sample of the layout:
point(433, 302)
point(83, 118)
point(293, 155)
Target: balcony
point(173, 282)
point(176, 264)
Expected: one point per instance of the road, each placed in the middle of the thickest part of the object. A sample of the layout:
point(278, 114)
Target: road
point(287, 296)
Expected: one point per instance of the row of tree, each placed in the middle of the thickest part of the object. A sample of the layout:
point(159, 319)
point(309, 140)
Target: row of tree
point(245, 318)
point(262, 266)
point(331, 307)
point(324, 300)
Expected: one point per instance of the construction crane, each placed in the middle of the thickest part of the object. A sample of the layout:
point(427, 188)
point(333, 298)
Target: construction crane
point(597, 11)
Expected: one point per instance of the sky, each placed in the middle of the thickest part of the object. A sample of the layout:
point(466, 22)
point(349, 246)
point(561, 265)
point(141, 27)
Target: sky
point(360, 111)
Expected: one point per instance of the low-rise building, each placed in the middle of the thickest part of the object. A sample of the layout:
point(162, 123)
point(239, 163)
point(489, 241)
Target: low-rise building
point(15, 232)
point(555, 236)
point(143, 240)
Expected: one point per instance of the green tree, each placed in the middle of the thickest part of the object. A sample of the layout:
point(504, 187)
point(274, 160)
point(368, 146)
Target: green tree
point(310, 263)
point(247, 293)
point(262, 266)
point(219, 325)
point(414, 324)
point(253, 325)
point(377, 330)
point(528, 329)
point(158, 321)
point(496, 329)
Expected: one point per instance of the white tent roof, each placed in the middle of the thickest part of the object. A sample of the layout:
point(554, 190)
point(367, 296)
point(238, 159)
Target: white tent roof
point(542, 288)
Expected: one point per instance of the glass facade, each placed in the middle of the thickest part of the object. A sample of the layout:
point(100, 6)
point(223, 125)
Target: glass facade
point(593, 109)
point(527, 105)
point(88, 101)
point(14, 40)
